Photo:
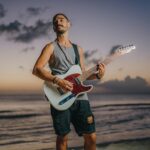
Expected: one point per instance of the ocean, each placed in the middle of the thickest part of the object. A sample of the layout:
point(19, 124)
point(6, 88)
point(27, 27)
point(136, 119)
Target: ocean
point(122, 123)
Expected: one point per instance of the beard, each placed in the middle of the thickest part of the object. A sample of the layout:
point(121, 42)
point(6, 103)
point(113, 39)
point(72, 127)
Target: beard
point(60, 31)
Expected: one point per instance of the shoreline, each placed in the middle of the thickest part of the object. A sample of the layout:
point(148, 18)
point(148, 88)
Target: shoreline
point(123, 144)
point(121, 122)
point(127, 141)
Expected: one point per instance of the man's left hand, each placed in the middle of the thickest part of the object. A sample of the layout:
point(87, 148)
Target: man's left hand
point(101, 70)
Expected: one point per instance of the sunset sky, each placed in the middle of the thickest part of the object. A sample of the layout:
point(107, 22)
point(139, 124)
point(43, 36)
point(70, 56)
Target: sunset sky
point(97, 26)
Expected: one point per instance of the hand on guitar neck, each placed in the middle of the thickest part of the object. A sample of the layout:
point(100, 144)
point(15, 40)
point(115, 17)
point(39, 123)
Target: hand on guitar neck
point(101, 70)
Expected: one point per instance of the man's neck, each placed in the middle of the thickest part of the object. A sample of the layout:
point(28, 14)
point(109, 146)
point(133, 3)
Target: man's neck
point(63, 39)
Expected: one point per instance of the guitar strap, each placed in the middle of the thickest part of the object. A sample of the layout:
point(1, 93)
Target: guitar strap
point(77, 56)
point(77, 59)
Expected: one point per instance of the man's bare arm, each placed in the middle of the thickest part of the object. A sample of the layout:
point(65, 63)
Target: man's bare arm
point(42, 73)
point(93, 76)
point(43, 59)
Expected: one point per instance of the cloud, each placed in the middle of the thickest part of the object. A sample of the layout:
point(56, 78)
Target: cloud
point(29, 33)
point(2, 11)
point(111, 56)
point(19, 32)
point(12, 27)
point(35, 11)
point(21, 67)
point(94, 61)
point(129, 85)
point(89, 53)
point(90, 56)
point(28, 49)
point(120, 69)
point(113, 49)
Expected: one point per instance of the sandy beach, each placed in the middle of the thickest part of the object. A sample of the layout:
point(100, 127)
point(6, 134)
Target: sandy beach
point(122, 123)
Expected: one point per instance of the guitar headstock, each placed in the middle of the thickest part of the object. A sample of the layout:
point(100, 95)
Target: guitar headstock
point(124, 49)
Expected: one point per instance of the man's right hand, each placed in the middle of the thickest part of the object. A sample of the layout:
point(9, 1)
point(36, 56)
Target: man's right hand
point(65, 85)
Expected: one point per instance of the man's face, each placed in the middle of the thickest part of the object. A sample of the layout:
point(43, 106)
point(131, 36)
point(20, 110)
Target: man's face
point(61, 24)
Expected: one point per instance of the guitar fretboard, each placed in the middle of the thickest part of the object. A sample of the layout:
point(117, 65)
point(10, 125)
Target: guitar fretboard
point(93, 69)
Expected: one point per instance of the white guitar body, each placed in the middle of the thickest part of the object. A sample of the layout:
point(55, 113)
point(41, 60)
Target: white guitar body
point(64, 101)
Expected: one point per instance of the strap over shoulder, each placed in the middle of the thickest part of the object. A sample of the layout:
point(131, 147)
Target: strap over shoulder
point(77, 60)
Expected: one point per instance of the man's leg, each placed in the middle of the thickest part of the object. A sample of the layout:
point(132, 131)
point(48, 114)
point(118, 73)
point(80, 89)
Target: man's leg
point(61, 142)
point(84, 123)
point(90, 141)
point(61, 123)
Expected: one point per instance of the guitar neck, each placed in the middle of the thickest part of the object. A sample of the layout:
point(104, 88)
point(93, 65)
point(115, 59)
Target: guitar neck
point(119, 51)
point(93, 69)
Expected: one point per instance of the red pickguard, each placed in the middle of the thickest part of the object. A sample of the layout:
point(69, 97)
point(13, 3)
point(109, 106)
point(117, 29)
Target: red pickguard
point(77, 88)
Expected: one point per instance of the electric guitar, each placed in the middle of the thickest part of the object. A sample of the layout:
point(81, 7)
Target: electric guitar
point(63, 100)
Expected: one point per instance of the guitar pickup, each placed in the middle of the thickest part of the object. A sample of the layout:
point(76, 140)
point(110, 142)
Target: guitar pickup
point(66, 99)
point(77, 81)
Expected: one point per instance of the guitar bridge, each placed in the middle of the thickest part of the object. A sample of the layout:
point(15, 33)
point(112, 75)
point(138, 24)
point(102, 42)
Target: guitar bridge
point(60, 90)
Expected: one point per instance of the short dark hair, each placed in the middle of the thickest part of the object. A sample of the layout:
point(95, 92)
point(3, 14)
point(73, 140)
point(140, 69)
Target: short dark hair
point(61, 15)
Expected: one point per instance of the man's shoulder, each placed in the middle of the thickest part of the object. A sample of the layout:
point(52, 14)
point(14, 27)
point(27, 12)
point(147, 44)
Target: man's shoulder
point(49, 46)
point(80, 49)
point(75, 44)
point(78, 46)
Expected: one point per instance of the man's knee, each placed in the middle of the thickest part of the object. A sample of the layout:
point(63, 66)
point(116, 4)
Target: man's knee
point(90, 138)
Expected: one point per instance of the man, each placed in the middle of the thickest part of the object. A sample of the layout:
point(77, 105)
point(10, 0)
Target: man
point(60, 56)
